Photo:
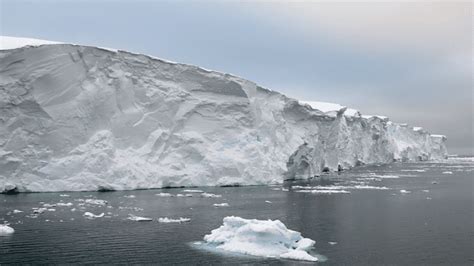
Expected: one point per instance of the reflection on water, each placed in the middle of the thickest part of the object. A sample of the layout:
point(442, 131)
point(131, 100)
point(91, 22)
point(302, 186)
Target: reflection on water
point(431, 224)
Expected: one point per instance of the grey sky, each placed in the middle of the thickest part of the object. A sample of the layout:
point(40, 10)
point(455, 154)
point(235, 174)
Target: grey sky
point(409, 61)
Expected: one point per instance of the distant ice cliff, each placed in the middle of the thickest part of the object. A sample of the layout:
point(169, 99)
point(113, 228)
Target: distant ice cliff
point(86, 118)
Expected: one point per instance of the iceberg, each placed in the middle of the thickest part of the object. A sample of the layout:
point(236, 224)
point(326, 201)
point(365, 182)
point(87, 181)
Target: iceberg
point(82, 118)
point(6, 230)
point(263, 238)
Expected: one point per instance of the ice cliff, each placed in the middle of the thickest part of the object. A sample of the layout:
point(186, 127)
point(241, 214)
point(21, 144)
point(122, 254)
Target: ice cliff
point(86, 118)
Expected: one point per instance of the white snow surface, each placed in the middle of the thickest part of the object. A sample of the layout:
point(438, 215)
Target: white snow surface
point(264, 238)
point(77, 118)
point(7, 42)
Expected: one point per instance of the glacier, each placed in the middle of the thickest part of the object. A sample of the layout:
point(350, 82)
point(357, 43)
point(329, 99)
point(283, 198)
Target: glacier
point(84, 118)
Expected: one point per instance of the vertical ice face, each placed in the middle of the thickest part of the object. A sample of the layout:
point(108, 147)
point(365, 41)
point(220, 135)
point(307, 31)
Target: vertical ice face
point(84, 118)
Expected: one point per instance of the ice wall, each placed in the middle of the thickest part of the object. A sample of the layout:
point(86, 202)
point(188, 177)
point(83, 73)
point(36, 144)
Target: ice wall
point(86, 118)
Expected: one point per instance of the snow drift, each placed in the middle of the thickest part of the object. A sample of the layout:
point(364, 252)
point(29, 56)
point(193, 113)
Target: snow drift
point(86, 118)
point(260, 238)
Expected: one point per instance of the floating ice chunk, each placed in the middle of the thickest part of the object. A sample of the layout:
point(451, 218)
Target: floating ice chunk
point(210, 195)
point(64, 195)
point(265, 238)
point(426, 190)
point(302, 187)
point(384, 176)
point(225, 204)
point(193, 191)
point(296, 254)
point(332, 243)
point(47, 205)
point(369, 179)
point(90, 215)
point(447, 172)
point(184, 195)
point(17, 211)
point(267, 201)
point(164, 194)
point(285, 189)
point(334, 187)
point(413, 170)
point(39, 210)
point(170, 220)
point(129, 196)
point(139, 219)
point(62, 204)
point(6, 230)
point(96, 201)
point(428, 198)
point(324, 191)
point(434, 182)
point(403, 191)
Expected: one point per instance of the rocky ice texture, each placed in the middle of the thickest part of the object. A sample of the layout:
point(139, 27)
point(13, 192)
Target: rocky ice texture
point(260, 238)
point(86, 118)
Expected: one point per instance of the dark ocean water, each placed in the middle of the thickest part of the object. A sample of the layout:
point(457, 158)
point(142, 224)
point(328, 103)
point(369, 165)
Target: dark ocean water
point(370, 226)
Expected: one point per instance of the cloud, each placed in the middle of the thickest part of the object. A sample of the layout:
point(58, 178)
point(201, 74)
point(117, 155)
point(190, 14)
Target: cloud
point(423, 27)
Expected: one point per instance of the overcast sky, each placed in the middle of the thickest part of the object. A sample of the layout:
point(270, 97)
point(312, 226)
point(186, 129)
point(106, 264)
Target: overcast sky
point(409, 61)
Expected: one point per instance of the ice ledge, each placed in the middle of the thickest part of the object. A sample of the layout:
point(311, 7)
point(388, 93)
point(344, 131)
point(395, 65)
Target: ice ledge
point(100, 120)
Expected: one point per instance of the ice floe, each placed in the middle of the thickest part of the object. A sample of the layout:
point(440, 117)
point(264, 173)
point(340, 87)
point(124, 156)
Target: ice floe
point(138, 218)
point(96, 201)
point(90, 215)
point(323, 191)
point(403, 191)
point(162, 194)
point(170, 220)
point(264, 238)
point(447, 172)
point(210, 195)
point(62, 204)
point(193, 191)
point(224, 204)
point(5, 230)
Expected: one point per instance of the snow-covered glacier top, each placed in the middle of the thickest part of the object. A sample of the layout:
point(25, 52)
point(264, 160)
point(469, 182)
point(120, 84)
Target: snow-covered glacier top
point(86, 118)
point(7, 42)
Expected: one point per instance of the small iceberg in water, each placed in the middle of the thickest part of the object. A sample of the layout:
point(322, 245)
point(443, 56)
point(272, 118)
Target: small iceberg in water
point(90, 215)
point(6, 230)
point(170, 220)
point(138, 218)
point(263, 238)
